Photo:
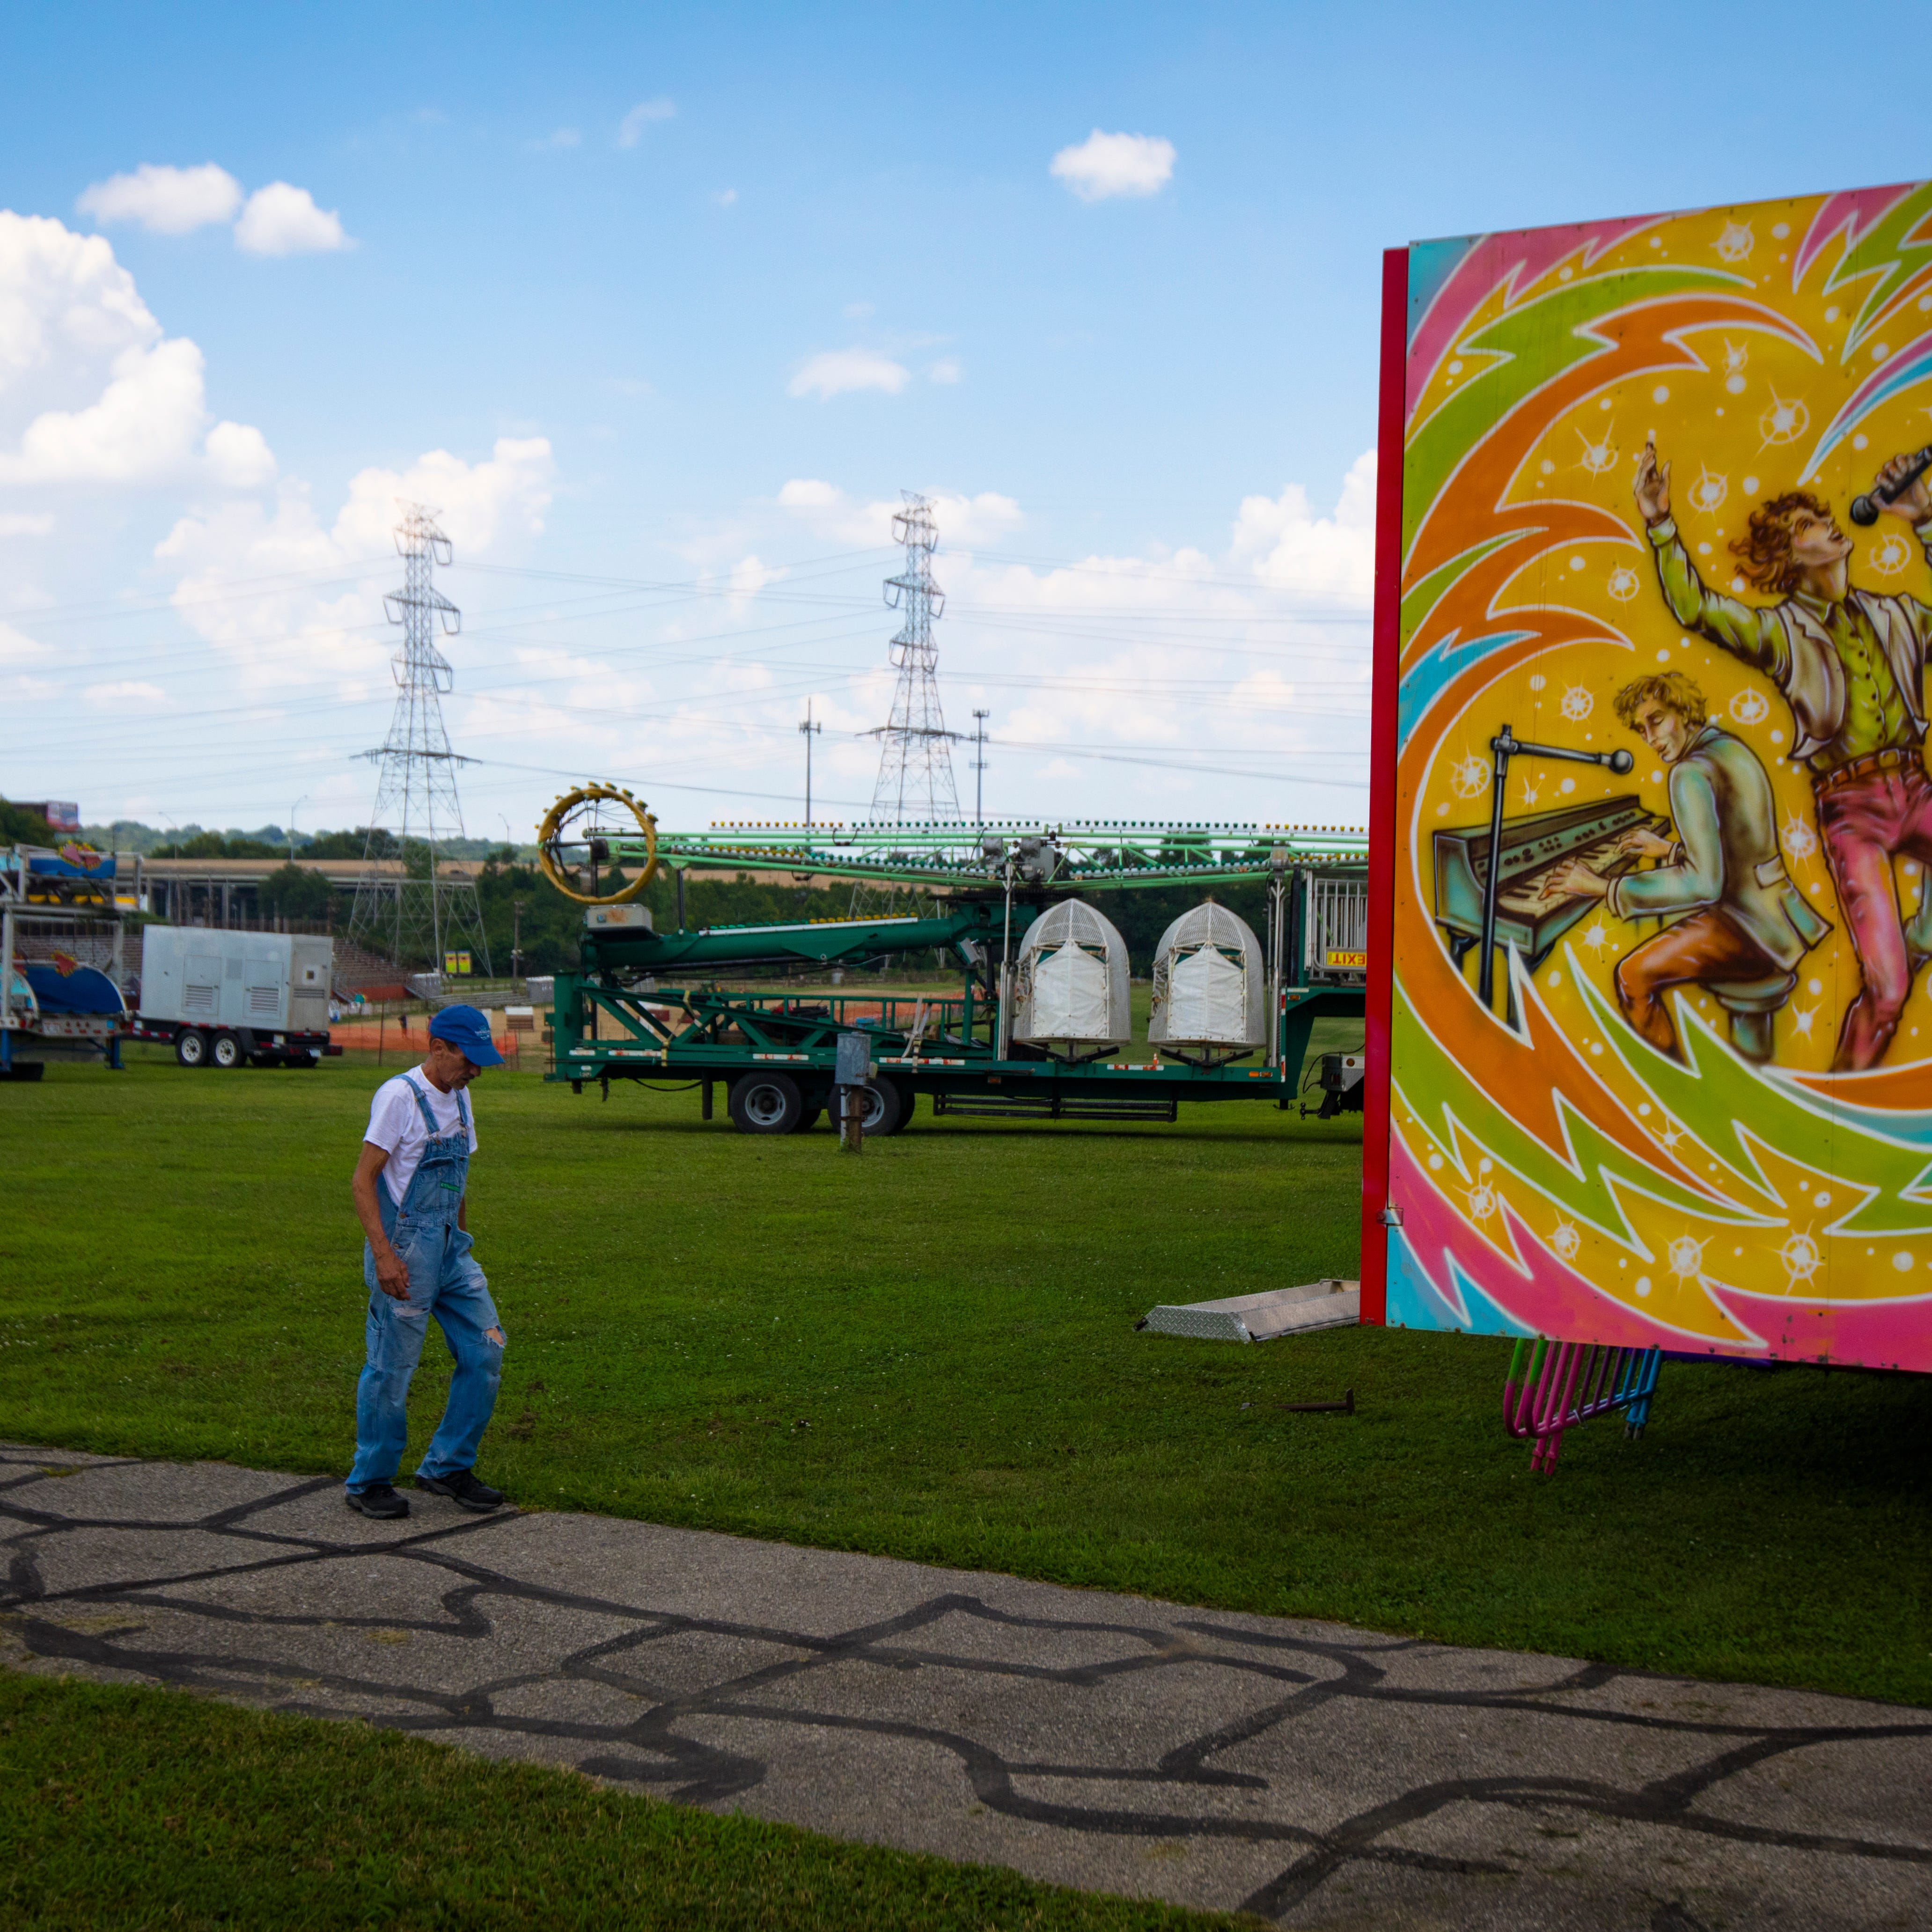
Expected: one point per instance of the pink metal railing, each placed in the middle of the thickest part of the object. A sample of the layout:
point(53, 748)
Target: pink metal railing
point(1568, 1382)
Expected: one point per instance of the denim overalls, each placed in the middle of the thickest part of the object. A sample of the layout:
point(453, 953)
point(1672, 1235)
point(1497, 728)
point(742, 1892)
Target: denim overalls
point(443, 1282)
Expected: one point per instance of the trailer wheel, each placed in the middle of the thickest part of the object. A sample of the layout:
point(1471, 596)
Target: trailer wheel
point(766, 1103)
point(885, 1108)
point(225, 1050)
point(191, 1047)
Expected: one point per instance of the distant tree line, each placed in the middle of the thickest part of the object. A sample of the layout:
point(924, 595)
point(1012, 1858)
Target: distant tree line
point(19, 826)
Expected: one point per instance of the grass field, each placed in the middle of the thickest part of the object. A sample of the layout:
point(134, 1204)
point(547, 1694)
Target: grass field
point(929, 1351)
point(127, 1808)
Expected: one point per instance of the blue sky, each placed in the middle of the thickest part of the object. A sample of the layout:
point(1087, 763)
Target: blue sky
point(589, 259)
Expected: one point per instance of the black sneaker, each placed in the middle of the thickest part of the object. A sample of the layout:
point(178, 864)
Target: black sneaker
point(462, 1489)
point(380, 1501)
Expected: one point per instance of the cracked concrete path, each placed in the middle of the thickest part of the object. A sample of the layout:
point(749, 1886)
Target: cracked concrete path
point(1313, 1774)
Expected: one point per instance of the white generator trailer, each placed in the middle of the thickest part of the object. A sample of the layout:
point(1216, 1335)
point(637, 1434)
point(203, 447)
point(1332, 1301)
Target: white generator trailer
point(235, 999)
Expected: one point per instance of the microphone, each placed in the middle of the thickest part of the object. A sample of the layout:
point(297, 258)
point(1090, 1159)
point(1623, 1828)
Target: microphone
point(1865, 509)
point(1621, 762)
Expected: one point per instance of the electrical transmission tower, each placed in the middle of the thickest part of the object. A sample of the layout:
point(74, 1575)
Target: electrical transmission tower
point(915, 749)
point(915, 782)
point(404, 906)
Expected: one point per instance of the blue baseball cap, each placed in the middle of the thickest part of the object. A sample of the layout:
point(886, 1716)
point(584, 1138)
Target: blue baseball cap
point(469, 1032)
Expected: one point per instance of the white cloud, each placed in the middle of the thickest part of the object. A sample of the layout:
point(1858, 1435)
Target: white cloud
point(963, 521)
point(726, 197)
point(142, 426)
point(836, 371)
point(1290, 548)
point(750, 575)
point(561, 137)
point(631, 129)
point(282, 220)
point(945, 370)
point(16, 647)
point(64, 298)
point(24, 523)
point(1106, 165)
point(124, 691)
point(809, 493)
point(92, 391)
point(239, 455)
point(166, 201)
point(293, 635)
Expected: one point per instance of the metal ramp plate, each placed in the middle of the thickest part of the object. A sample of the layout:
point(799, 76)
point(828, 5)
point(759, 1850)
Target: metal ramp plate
point(1329, 1303)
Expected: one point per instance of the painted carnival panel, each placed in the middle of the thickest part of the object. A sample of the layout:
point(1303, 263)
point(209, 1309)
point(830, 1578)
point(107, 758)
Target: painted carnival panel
point(1660, 1037)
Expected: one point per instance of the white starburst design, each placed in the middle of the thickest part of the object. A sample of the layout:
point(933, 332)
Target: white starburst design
point(1686, 1256)
point(1783, 421)
point(1566, 1243)
point(1598, 456)
point(1801, 1259)
point(1710, 489)
point(1800, 841)
point(1670, 1133)
point(1736, 356)
point(1596, 939)
point(1482, 1203)
point(1530, 794)
point(1890, 556)
point(1735, 243)
point(1750, 705)
point(1577, 703)
point(1469, 777)
point(1624, 583)
point(1802, 1018)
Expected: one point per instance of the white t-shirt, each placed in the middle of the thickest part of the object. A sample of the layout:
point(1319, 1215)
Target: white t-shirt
point(396, 1125)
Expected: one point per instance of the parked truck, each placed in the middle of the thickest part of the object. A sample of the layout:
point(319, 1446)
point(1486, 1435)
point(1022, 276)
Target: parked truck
point(235, 999)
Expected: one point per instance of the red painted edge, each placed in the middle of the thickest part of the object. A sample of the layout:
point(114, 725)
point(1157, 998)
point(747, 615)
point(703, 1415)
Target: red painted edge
point(1382, 745)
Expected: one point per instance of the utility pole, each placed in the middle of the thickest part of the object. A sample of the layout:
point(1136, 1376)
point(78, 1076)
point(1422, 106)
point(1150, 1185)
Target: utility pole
point(418, 911)
point(811, 730)
point(980, 767)
point(292, 809)
point(516, 939)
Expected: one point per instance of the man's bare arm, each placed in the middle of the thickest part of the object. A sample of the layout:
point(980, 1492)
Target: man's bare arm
point(392, 1274)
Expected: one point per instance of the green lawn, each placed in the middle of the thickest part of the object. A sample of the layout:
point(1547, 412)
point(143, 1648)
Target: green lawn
point(929, 1351)
point(127, 1807)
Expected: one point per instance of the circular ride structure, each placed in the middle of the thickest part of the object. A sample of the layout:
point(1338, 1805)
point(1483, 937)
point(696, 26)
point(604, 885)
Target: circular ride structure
point(584, 831)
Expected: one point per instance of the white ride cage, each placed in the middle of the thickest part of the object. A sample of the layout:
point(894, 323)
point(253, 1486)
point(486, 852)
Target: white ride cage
point(1072, 992)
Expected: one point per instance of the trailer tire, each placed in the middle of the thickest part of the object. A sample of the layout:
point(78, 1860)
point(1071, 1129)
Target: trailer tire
point(225, 1051)
point(191, 1047)
point(766, 1103)
point(886, 1105)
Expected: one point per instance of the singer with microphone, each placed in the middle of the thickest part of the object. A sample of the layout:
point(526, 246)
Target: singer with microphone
point(1850, 663)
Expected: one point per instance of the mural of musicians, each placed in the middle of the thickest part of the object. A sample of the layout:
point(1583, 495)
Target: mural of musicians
point(1849, 663)
point(1741, 926)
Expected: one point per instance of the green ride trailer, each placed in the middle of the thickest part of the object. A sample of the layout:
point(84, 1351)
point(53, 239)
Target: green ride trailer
point(674, 1008)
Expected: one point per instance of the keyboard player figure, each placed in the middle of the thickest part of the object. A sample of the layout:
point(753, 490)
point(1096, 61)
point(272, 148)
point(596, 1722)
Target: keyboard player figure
point(1849, 663)
point(1740, 925)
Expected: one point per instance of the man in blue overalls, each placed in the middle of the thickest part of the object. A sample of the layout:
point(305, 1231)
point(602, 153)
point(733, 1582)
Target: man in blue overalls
point(417, 1263)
